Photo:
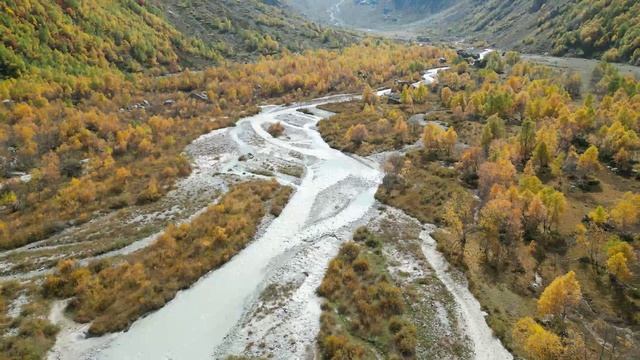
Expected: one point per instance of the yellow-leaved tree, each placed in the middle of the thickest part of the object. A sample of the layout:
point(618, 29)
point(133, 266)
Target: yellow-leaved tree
point(599, 215)
point(626, 212)
point(560, 296)
point(588, 162)
point(620, 256)
point(537, 342)
point(357, 134)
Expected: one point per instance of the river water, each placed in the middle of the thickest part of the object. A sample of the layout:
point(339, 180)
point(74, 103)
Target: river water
point(335, 195)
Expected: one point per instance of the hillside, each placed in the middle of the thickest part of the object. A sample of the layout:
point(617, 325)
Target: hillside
point(81, 38)
point(592, 29)
point(76, 38)
point(242, 29)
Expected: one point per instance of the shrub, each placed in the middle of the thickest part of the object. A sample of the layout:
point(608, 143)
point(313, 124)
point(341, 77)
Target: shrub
point(276, 129)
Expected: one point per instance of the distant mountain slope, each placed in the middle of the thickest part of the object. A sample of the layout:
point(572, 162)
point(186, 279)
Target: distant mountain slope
point(242, 29)
point(608, 29)
point(48, 39)
point(596, 29)
point(78, 37)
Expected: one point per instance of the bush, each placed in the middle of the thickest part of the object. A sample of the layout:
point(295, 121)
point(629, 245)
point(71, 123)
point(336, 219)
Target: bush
point(276, 129)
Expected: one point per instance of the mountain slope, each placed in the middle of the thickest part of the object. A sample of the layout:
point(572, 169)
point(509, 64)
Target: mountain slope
point(74, 37)
point(242, 29)
point(594, 29)
point(50, 38)
point(607, 29)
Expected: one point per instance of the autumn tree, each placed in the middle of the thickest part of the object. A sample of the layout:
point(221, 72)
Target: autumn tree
point(369, 97)
point(357, 134)
point(420, 94)
point(621, 255)
point(459, 217)
point(537, 342)
point(4, 234)
point(469, 163)
point(592, 239)
point(626, 212)
point(527, 139)
point(555, 203)
point(406, 97)
point(449, 140)
point(494, 62)
point(490, 173)
point(493, 129)
point(599, 215)
point(560, 296)
point(393, 168)
point(51, 167)
point(541, 157)
point(573, 84)
point(401, 130)
point(535, 214)
point(276, 129)
point(151, 193)
point(512, 57)
point(500, 221)
point(588, 162)
point(445, 96)
point(432, 137)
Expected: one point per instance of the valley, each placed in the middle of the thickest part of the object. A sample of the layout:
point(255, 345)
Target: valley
point(293, 179)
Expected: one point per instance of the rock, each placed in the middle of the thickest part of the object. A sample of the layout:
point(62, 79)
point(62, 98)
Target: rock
point(417, 119)
point(199, 96)
point(468, 54)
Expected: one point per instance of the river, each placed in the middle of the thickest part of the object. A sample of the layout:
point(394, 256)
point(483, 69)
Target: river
point(216, 316)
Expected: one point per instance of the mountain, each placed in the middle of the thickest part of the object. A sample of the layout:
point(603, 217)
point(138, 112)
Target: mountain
point(606, 30)
point(244, 29)
point(48, 38)
point(594, 29)
point(78, 37)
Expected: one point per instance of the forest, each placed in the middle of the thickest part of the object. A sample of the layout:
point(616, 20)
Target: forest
point(112, 296)
point(111, 150)
point(530, 173)
point(555, 172)
point(76, 155)
point(606, 29)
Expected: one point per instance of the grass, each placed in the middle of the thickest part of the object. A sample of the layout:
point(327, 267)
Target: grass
point(292, 170)
point(30, 334)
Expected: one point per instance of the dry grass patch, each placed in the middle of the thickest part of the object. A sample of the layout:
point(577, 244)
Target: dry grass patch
point(364, 313)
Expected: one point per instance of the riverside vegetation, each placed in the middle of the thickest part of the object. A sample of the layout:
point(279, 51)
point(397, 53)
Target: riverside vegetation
point(90, 156)
point(534, 183)
point(551, 240)
point(102, 139)
point(363, 306)
point(112, 296)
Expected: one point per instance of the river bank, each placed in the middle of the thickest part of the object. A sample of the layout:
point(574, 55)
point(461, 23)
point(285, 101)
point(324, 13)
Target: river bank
point(224, 312)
